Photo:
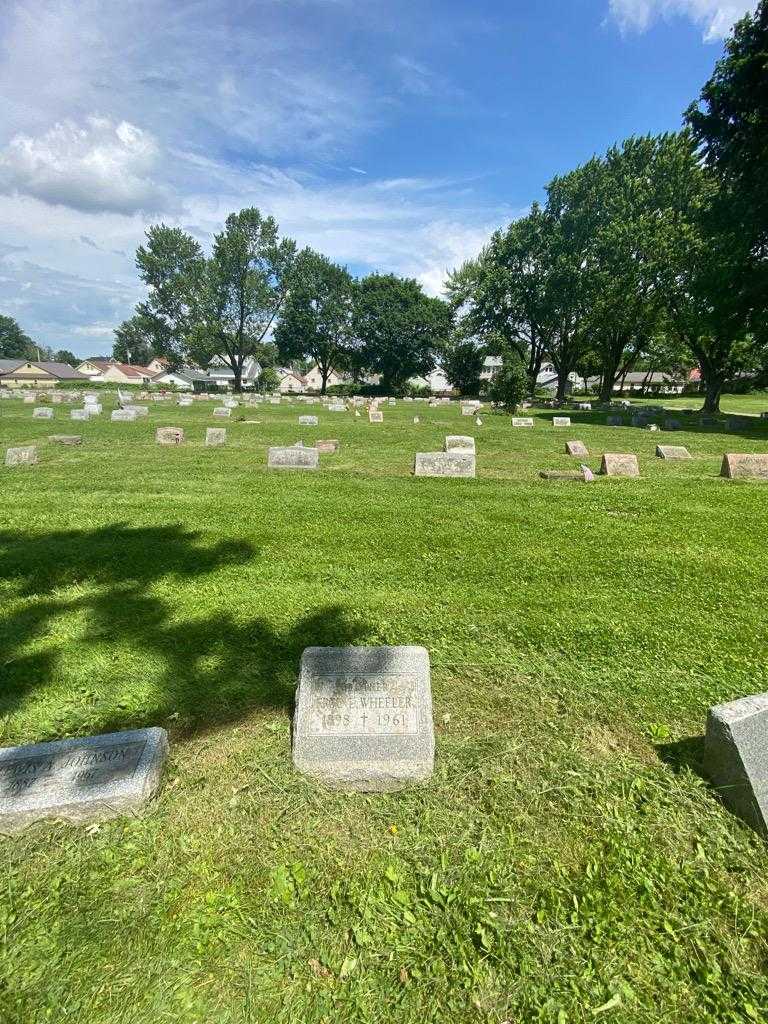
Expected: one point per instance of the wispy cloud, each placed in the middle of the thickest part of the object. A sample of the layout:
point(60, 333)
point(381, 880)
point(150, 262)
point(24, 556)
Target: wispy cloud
point(715, 16)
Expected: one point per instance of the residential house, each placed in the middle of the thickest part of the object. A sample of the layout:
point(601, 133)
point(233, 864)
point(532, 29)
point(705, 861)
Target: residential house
point(291, 382)
point(222, 374)
point(641, 381)
point(313, 379)
point(119, 373)
point(20, 373)
point(158, 364)
point(491, 366)
point(186, 379)
point(435, 380)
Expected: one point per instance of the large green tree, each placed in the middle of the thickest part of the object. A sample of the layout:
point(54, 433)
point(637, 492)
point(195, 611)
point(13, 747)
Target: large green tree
point(462, 362)
point(135, 341)
point(316, 322)
point(399, 329)
point(14, 343)
point(224, 305)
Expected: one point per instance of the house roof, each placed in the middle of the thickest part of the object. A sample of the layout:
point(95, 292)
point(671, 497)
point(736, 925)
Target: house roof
point(285, 371)
point(188, 373)
point(63, 371)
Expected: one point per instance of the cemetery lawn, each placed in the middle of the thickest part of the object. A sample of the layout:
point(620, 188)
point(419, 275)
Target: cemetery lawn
point(567, 862)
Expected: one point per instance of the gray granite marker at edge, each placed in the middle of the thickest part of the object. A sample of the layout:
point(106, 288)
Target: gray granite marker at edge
point(736, 757)
point(363, 717)
point(87, 779)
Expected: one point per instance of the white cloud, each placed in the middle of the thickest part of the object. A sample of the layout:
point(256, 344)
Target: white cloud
point(97, 165)
point(715, 16)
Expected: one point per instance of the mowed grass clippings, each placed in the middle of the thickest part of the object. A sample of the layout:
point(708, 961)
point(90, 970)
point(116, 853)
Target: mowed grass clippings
point(567, 862)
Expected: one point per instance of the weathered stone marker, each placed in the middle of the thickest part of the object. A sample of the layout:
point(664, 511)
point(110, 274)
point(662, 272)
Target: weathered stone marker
point(308, 421)
point(561, 421)
point(615, 464)
point(87, 779)
point(583, 475)
point(222, 411)
point(327, 447)
point(215, 436)
point(123, 416)
point(522, 421)
point(293, 458)
point(576, 448)
point(42, 413)
point(65, 439)
point(374, 416)
point(459, 443)
point(337, 407)
point(745, 467)
point(736, 757)
point(169, 435)
point(454, 463)
point(79, 414)
point(26, 456)
point(672, 451)
point(364, 717)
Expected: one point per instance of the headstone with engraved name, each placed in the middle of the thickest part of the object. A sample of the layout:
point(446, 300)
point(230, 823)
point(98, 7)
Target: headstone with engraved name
point(88, 779)
point(123, 416)
point(522, 421)
point(374, 416)
point(561, 421)
point(454, 464)
point(308, 421)
point(746, 467)
point(169, 435)
point(26, 456)
point(337, 407)
point(79, 414)
point(736, 757)
point(30, 399)
point(222, 412)
point(615, 464)
point(459, 443)
point(576, 448)
point(42, 413)
point(363, 717)
point(293, 458)
point(327, 447)
point(215, 436)
point(672, 451)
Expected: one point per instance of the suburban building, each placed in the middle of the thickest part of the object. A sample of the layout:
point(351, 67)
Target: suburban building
point(642, 381)
point(291, 382)
point(221, 373)
point(435, 380)
point(186, 378)
point(111, 370)
point(20, 373)
point(491, 366)
point(313, 379)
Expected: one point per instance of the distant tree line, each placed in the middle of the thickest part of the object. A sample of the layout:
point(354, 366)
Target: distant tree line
point(654, 256)
point(15, 344)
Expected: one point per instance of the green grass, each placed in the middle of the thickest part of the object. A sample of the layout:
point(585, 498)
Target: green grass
point(567, 863)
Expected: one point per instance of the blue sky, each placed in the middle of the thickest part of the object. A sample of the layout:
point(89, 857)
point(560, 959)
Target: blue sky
point(388, 134)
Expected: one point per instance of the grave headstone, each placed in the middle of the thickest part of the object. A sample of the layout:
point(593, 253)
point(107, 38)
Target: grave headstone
point(337, 407)
point(522, 421)
point(584, 405)
point(576, 448)
point(123, 416)
point(26, 456)
point(169, 435)
point(88, 779)
point(215, 436)
point(467, 410)
point(459, 443)
point(65, 439)
point(561, 421)
point(363, 717)
point(293, 458)
point(222, 412)
point(736, 757)
point(745, 467)
point(575, 475)
point(374, 416)
point(615, 464)
point(78, 414)
point(308, 421)
point(30, 399)
point(140, 410)
point(42, 413)
point(653, 427)
point(672, 451)
point(452, 463)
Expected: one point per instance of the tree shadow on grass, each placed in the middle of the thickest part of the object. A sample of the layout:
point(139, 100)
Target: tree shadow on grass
point(201, 673)
point(687, 753)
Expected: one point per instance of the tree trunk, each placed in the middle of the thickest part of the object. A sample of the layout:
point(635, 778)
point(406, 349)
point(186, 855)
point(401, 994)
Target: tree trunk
point(562, 383)
point(237, 383)
point(713, 389)
point(325, 372)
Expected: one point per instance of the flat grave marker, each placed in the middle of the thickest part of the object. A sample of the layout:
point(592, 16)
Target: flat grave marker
point(308, 421)
point(459, 443)
point(215, 436)
point(561, 421)
point(65, 439)
point(42, 413)
point(169, 435)
point(363, 717)
point(374, 416)
point(222, 412)
point(327, 447)
point(576, 448)
point(79, 414)
point(123, 416)
point(88, 779)
point(522, 421)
